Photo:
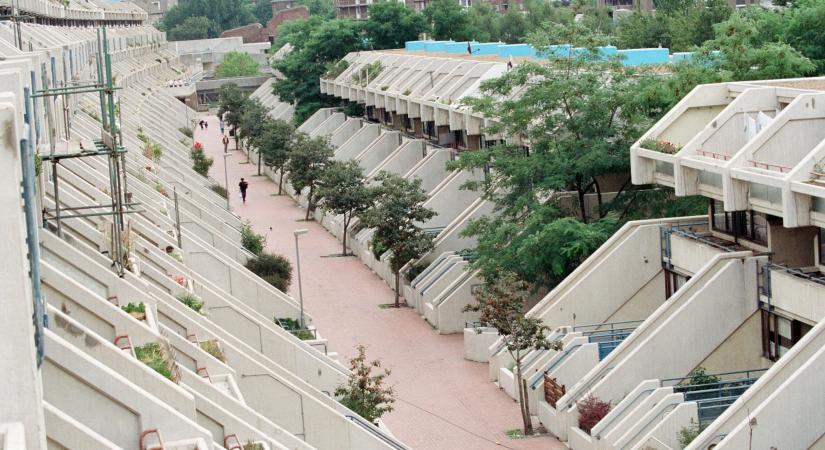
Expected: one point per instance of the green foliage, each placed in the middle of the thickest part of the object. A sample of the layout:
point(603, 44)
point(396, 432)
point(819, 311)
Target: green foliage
point(344, 191)
point(391, 24)
point(397, 211)
point(661, 146)
point(274, 269)
point(364, 393)
point(307, 162)
point(253, 120)
point(192, 28)
point(322, 8)
point(333, 70)
point(688, 433)
point(220, 15)
point(192, 301)
point(263, 11)
point(699, 377)
point(231, 103)
point(368, 73)
point(136, 310)
point(251, 240)
point(500, 304)
point(157, 358)
point(213, 347)
point(186, 131)
point(200, 162)
point(38, 164)
point(294, 327)
point(219, 189)
point(450, 21)
point(237, 64)
point(805, 31)
point(316, 44)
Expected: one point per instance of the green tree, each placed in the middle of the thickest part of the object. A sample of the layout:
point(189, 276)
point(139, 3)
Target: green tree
point(307, 162)
point(805, 32)
point(513, 27)
point(450, 21)
point(486, 20)
point(364, 393)
point(321, 8)
point(316, 44)
point(231, 101)
point(224, 14)
point(396, 214)
point(237, 64)
point(391, 24)
point(263, 10)
point(253, 121)
point(740, 51)
point(500, 304)
point(275, 144)
point(195, 27)
point(345, 192)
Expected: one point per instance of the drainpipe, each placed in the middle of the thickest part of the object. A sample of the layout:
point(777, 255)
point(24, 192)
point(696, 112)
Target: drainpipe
point(30, 206)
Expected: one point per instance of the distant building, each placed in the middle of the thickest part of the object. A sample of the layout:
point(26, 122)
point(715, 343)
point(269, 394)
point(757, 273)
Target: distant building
point(155, 8)
point(647, 5)
point(282, 11)
point(358, 9)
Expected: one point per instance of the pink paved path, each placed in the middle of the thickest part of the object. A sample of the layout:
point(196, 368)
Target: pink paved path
point(444, 401)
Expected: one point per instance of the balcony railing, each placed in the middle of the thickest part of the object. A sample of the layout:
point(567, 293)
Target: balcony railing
point(769, 166)
point(713, 155)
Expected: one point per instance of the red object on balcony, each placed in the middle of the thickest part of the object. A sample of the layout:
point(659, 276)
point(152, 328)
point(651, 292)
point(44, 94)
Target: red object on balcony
point(148, 432)
point(236, 446)
point(713, 155)
point(769, 166)
point(203, 373)
point(128, 345)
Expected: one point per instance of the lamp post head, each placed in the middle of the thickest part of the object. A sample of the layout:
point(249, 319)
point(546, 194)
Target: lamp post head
point(300, 232)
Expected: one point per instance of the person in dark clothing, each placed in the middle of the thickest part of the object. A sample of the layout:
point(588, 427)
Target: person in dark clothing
point(225, 142)
point(243, 185)
point(201, 124)
point(469, 48)
point(206, 125)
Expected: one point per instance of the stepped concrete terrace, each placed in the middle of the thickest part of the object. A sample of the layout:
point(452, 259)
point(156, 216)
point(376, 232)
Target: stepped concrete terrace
point(445, 401)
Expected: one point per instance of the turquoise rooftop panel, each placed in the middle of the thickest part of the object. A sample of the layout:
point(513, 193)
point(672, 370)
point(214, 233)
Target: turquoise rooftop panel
point(436, 46)
point(490, 48)
point(508, 50)
point(642, 56)
point(415, 46)
point(457, 47)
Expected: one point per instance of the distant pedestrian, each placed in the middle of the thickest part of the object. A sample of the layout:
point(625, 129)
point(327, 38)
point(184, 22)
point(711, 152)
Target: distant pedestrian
point(225, 142)
point(469, 48)
point(206, 125)
point(221, 123)
point(243, 185)
point(201, 124)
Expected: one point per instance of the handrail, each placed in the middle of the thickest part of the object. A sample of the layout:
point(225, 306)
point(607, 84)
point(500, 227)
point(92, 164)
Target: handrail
point(375, 431)
point(666, 410)
point(589, 384)
point(713, 155)
point(427, 270)
point(556, 362)
point(454, 287)
point(680, 379)
point(692, 389)
point(611, 324)
point(796, 272)
point(612, 419)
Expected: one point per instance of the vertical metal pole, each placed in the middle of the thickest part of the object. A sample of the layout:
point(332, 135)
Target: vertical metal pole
point(56, 188)
point(226, 177)
point(300, 290)
point(100, 82)
point(177, 215)
point(30, 203)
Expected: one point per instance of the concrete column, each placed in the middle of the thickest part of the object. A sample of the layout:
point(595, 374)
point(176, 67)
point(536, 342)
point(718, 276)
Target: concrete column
point(21, 390)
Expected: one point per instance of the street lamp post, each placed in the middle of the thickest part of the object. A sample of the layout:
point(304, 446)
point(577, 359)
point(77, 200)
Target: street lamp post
point(226, 178)
point(297, 233)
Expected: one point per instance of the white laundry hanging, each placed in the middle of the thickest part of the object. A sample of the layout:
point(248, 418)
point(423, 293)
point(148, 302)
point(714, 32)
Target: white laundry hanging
point(750, 128)
point(763, 120)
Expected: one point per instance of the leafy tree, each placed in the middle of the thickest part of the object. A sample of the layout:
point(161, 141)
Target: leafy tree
point(743, 55)
point(224, 14)
point(391, 24)
point(805, 32)
point(500, 304)
point(263, 11)
point(237, 64)
point(252, 124)
point(365, 393)
point(396, 214)
point(345, 192)
point(274, 269)
point(307, 162)
point(195, 27)
point(513, 27)
point(450, 21)
point(486, 20)
point(275, 144)
point(316, 44)
point(321, 8)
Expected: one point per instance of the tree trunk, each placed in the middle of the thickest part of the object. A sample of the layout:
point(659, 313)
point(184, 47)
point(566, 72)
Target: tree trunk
point(259, 162)
point(344, 238)
point(526, 400)
point(525, 417)
point(397, 296)
point(309, 203)
point(598, 196)
point(281, 181)
point(582, 207)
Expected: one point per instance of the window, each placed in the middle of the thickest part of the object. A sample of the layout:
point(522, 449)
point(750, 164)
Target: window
point(673, 282)
point(429, 129)
point(408, 123)
point(749, 225)
point(779, 334)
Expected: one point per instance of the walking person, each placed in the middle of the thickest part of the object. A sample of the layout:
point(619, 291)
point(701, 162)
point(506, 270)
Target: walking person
point(221, 124)
point(206, 125)
point(243, 185)
point(200, 124)
point(225, 142)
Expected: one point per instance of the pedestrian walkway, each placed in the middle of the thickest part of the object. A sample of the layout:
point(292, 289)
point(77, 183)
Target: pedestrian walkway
point(444, 401)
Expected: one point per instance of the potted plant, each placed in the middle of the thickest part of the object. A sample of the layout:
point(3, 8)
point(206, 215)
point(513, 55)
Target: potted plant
point(818, 171)
point(136, 310)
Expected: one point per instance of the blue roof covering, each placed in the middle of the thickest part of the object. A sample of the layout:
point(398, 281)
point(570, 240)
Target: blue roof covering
point(630, 57)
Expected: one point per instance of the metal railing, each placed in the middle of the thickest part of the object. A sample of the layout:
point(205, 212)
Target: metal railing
point(375, 431)
point(747, 374)
point(611, 326)
point(561, 357)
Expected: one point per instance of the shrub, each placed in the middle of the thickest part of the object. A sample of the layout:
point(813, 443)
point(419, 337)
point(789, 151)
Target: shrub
point(251, 240)
point(698, 377)
point(274, 269)
point(333, 70)
point(591, 411)
point(213, 348)
point(660, 146)
point(220, 190)
point(294, 327)
point(157, 358)
point(136, 310)
point(364, 393)
point(186, 131)
point(200, 162)
point(688, 433)
point(252, 446)
point(192, 301)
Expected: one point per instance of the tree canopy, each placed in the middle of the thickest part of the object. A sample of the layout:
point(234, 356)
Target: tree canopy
point(237, 64)
point(345, 192)
point(221, 15)
point(391, 24)
point(307, 162)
